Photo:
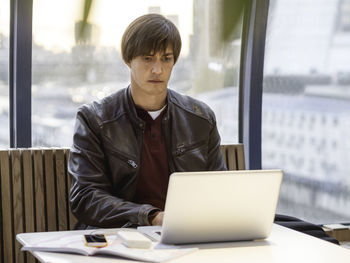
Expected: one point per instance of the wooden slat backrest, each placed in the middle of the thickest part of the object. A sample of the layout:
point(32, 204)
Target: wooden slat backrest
point(1, 218)
point(62, 190)
point(233, 156)
point(8, 239)
point(72, 218)
point(39, 191)
point(34, 196)
point(18, 209)
point(50, 190)
point(29, 207)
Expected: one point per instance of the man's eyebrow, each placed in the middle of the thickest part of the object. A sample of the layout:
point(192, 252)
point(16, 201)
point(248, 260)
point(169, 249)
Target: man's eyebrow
point(164, 55)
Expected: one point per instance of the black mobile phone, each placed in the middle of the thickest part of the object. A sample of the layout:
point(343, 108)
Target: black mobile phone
point(97, 240)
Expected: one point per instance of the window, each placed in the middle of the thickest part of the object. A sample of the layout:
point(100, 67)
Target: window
point(67, 74)
point(344, 18)
point(306, 75)
point(4, 73)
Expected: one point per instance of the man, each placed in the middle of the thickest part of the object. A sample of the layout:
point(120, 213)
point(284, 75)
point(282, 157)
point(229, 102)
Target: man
point(126, 145)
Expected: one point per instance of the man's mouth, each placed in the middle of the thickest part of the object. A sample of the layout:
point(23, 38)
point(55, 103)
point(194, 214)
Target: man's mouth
point(155, 81)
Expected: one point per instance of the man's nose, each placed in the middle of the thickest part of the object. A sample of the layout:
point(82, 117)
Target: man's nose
point(157, 67)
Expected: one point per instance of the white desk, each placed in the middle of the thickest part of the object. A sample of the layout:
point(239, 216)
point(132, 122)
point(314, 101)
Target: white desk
point(283, 245)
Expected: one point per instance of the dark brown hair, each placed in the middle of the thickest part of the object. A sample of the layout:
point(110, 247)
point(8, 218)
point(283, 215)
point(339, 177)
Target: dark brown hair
point(149, 34)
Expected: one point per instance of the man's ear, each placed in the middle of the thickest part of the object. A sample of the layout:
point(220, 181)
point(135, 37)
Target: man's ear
point(128, 64)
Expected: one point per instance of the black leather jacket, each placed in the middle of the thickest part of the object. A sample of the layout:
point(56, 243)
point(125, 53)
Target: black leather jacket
point(105, 158)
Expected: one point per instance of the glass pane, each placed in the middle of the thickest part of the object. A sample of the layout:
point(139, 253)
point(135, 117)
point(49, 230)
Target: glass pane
point(306, 107)
point(67, 74)
point(4, 73)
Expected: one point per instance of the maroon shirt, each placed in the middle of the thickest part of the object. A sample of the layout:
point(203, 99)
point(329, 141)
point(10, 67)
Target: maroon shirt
point(154, 177)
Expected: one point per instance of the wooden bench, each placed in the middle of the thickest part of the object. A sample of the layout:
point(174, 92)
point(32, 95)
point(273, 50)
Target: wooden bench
point(34, 196)
point(233, 156)
point(34, 191)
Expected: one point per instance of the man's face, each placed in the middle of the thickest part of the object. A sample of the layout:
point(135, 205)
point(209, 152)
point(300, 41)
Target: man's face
point(150, 73)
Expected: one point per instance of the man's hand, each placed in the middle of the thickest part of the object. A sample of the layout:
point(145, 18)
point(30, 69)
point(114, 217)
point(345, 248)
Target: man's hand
point(158, 220)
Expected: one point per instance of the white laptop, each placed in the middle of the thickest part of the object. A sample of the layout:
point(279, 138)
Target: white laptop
point(218, 206)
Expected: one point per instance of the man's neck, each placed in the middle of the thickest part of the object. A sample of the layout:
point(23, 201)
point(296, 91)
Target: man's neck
point(149, 102)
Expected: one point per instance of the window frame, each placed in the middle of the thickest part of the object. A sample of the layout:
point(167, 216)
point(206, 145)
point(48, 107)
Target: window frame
point(251, 80)
point(20, 73)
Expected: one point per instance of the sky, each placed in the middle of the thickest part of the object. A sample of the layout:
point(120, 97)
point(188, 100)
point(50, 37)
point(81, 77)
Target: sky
point(53, 21)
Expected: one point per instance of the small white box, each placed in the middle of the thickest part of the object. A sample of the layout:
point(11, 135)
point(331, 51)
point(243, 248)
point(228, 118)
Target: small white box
point(134, 239)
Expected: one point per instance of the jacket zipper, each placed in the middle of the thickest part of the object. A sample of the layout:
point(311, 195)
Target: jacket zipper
point(142, 127)
point(167, 143)
point(181, 149)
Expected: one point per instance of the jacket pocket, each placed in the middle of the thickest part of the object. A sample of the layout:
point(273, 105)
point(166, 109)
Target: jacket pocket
point(183, 149)
point(191, 157)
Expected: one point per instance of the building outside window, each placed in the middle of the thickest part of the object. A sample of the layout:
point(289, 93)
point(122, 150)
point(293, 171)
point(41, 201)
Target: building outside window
point(306, 107)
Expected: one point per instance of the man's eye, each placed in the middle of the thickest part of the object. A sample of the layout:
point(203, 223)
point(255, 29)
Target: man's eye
point(167, 59)
point(147, 59)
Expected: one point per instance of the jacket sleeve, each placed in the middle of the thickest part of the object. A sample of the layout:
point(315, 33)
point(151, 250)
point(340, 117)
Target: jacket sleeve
point(215, 158)
point(91, 198)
